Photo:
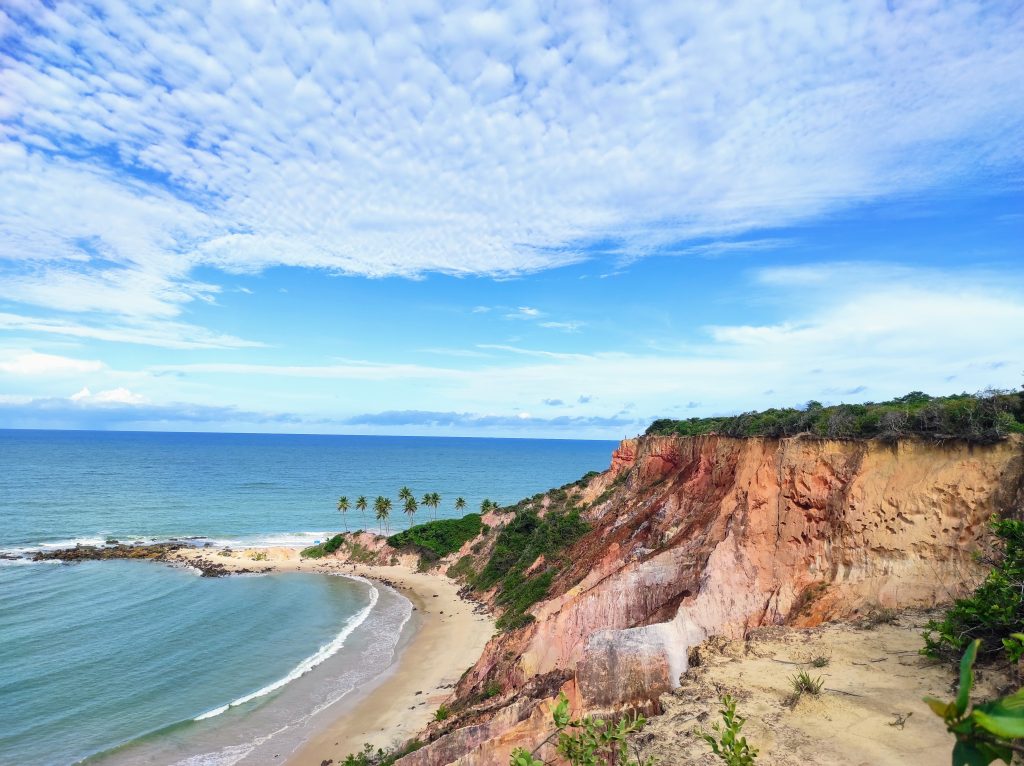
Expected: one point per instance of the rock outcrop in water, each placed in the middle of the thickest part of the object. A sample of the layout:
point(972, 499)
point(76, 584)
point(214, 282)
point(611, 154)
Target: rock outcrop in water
point(698, 536)
point(142, 551)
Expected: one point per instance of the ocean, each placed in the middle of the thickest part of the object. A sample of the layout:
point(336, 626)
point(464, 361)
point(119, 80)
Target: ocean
point(114, 662)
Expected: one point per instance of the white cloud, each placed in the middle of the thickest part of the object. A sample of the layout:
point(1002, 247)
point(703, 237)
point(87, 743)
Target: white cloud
point(33, 363)
point(571, 326)
point(496, 141)
point(167, 334)
point(119, 395)
point(524, 312)
point(878, 336)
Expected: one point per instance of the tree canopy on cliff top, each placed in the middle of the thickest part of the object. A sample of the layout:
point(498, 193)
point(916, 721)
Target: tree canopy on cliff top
point(984, 417)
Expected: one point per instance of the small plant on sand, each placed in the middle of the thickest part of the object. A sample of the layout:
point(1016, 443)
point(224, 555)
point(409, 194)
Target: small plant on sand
point(821, 661)
point(725, 739)
point(442, 713)
point(803, 684)
point(987, 731)
point(259, 556)
point(587, 741)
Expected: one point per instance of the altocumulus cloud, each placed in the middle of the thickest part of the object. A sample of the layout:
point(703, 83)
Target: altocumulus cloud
point(385, 139)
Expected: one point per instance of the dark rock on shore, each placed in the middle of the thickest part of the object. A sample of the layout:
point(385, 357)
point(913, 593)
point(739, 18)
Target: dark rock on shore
point(147, 551)
point(154, 551)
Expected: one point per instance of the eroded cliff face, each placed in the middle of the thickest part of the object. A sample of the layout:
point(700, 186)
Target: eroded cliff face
point(700, 536)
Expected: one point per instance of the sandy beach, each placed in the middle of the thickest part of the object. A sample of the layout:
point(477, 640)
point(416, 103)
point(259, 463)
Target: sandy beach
point(451, 635)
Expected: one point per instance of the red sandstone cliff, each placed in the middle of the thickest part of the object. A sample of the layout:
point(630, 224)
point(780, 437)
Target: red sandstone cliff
point(693, 537)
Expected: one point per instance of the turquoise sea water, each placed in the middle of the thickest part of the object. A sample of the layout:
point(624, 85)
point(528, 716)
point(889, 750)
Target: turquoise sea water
point(114, 661)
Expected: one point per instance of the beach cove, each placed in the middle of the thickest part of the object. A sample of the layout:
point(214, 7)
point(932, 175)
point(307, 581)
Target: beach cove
point(448, 635)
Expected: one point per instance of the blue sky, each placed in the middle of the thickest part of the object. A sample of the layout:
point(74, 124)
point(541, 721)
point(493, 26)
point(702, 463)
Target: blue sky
point(516, 220)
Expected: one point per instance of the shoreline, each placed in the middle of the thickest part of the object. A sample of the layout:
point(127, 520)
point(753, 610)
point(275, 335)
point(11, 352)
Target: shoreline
point(448, 638)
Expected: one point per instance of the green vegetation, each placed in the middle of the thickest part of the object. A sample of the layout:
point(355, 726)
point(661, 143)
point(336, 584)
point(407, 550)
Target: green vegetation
point(442, 713)
point(356, 552)
point(439, 538)
point(517, 547)
point(462, 569)
point(803, 684)
point(367, 756)
point(432, 500)
point(382, 511)
point(410, 509)
point(995, 610)
point(343, 509)
point(587, 741)
point(323, 549)
point(725, 738)
point(821, 661)
point(986, 732)
point(981, 418)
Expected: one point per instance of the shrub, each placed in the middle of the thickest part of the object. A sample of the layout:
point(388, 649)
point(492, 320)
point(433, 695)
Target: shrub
point(382, 757)
point(517, 547)
point(984, 417)
point(804, 684)
point(463, 568)
point(324, 548)
point(996, 608)
point(442, 713)
point(985, 733)
point(725, 739)
point(441, 537)
point(587, 741)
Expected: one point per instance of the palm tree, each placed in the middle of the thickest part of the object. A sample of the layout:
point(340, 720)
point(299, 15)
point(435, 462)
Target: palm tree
point(460, 504)
point(343, 508)
point(404, 493)
point(486, 505)
point(361, 506)
point(410, 508)
point(382, 507)
point(432, 500)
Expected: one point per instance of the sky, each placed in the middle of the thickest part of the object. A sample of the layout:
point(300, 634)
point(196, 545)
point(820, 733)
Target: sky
point(521, 220)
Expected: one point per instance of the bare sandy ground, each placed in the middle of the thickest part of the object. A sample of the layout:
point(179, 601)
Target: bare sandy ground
point(451, 636)
point(869, 712)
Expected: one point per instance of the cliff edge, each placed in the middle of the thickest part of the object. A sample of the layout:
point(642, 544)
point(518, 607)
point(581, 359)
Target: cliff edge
point(691, 537)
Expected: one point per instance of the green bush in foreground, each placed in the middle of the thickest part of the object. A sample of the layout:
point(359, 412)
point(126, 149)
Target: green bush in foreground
point(994, 610)
point(987, 732)
point(439, 537)
point(725, 739)
point(586, 741)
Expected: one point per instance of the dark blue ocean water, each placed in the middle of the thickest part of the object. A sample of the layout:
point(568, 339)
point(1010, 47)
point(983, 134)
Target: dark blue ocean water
point(118, 658)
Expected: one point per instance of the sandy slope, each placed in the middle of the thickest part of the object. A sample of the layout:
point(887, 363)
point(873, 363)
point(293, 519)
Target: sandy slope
point(452, 633)
point(874, 678)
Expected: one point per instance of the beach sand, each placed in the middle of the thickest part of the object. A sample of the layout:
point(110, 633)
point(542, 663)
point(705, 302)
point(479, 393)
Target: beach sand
point(450, 637)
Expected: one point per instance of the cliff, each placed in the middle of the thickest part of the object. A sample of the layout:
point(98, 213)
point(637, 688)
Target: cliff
point(698, 536)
